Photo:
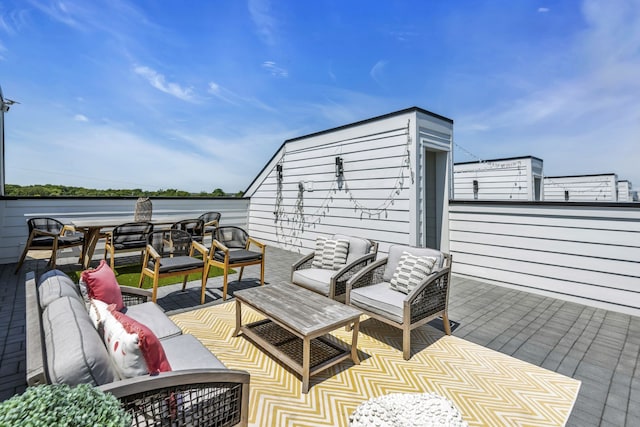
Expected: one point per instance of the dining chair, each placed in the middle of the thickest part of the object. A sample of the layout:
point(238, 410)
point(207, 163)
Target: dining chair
point(172, 253)
point(194, 226)
point(49, 234)
point(211, 222)
point(232, 248)
point(127, 237)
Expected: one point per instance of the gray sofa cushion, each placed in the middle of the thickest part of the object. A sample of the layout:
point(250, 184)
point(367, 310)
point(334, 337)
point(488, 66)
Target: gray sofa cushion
point(186, 352)
point(55, 284)
point(316, 279)
point(358, 247)
point(379, 299)
point(152, 316)
point(75, 351)
point(395, 252)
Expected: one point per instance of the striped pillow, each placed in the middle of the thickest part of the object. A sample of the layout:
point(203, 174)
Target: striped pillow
point(330, 254)
point(411, 271)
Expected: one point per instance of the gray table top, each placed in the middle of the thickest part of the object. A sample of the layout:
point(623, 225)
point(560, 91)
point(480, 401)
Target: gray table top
point(301, 309)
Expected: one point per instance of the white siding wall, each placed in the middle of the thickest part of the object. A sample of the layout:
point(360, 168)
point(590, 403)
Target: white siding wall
point(587, 188)
point(509, 179)
point(624, 191)
point(373, 200)
point(15, 212)
point(583, 253)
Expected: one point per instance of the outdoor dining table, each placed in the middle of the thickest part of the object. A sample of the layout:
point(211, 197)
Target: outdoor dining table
point(92, 228)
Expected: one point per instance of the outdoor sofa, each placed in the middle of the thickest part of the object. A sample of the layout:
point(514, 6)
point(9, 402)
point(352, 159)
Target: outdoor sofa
point(64, 346)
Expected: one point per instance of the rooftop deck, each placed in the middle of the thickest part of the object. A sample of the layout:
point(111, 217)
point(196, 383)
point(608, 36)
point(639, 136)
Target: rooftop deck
point(598, 347)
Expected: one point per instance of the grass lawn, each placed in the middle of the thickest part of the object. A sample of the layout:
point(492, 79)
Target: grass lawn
point(129, 275)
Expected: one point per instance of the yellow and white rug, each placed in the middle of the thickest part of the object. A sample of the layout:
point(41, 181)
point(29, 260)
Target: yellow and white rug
point(488, 387)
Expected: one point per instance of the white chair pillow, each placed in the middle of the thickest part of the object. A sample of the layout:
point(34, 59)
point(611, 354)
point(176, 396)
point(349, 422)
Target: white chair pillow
point(411, 271)
point(330, 254)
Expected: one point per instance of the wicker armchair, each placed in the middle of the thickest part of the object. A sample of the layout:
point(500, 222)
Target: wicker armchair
point(49, 234)
point(231, 248)
point(131, 236)
point(332, 283)
point(171, 253)
point(370, 291)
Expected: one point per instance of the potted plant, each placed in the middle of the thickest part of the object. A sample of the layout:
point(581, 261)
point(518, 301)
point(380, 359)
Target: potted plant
point(62, 405)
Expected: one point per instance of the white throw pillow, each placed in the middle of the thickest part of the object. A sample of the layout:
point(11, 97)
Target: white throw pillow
point(411, 271)
point(330, 254)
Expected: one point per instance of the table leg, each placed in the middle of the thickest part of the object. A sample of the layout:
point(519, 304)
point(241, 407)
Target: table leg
point(92, 235)
point(306, 361)
point(354, 342)
point(238, 318)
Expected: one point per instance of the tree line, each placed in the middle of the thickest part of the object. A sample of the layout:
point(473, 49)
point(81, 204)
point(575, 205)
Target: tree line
point(63, 190)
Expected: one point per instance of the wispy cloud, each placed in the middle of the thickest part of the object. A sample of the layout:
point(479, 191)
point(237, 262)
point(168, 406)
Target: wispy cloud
point(159, 82)
point(275, 70)
point(262, 16)
point(233, 98)
point(377, 70)
point(543, 9)
point(80, 118)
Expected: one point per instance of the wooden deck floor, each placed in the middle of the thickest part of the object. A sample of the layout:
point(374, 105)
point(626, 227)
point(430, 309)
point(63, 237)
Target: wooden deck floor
point(600, 348)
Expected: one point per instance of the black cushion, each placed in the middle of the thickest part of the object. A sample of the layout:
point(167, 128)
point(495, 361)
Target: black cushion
point(139, 244)
point(178, 263)
point(239, 255)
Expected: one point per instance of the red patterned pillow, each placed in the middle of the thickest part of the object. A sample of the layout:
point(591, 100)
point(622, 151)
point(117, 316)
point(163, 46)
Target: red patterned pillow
point(102, 285)
point(148, 344)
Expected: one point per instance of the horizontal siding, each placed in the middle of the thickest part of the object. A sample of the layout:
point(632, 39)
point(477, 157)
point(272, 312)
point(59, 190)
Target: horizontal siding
point(15, 212)
point(579, 253)
point(587, 188)
point(496, 181)
point(372, 200)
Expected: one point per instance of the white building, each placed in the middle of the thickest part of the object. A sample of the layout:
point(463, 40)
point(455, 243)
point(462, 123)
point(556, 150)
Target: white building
point(516, 178)
point(624, 191)
point(385, 178)
point(581, 188)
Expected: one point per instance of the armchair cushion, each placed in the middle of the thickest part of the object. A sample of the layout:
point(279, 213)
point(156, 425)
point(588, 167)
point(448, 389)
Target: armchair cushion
point(187, 352)
point(101, 284)
point(315, 279)
point(380, 299)
point(151, 314)
point(330, 254)
point(178, 263)
point(411, 270)
point(395, 252)
point(75, 351)
point(358, 247)
point(55, 284)
point(238, 256)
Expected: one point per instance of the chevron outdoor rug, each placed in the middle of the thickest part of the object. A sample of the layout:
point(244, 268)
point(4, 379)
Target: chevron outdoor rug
point(489, 388)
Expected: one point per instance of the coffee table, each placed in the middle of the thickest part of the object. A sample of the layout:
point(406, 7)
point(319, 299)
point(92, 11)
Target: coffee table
point(296, 327)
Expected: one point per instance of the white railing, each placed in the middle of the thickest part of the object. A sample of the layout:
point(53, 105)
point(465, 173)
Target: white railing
point(587, 253)
point(15, 212)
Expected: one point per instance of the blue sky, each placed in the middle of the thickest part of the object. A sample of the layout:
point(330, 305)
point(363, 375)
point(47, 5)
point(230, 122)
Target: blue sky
point(198, 95)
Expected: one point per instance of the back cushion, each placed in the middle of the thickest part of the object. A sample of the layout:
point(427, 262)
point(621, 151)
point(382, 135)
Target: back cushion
point(358, 246)
point(75, 352)
point(395, 252)
point(101, 284)
point(55, 284)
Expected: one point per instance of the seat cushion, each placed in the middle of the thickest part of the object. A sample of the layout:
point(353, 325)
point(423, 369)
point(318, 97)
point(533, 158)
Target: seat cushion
point(411, 271)
point(178, 263)
point(395, 252)
point(133, 244)
point(75, 351)
point(101, 283)
point(379, 299)
point(150, 314)
point(238, 256)
point(315, 279)
point(55, 284)
point(186, 352)
point(358, 247)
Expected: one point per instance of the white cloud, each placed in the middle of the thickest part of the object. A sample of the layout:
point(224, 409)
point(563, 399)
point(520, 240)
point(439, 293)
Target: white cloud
point(262, 16)
point(377, 71)
point(80, 118)
point(274, 70)
point(159, 82)
point(543, 9)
